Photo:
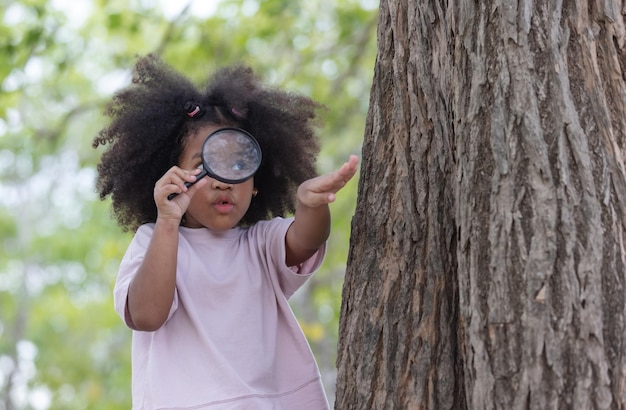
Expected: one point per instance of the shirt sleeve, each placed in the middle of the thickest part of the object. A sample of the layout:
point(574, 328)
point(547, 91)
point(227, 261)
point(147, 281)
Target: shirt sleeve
point(128, 268)
point(290, 278)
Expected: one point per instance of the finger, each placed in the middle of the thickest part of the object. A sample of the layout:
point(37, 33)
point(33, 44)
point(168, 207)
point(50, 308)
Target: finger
point(175, 185)
point(319, 198)
point(190, 176)
point(349, 168)
point(343, 175)
point(175, 181)
point(329, 183)
point(196, 185)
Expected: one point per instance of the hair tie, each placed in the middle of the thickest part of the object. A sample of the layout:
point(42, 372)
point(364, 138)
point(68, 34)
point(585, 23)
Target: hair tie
point(192, 109)
point(235, 112)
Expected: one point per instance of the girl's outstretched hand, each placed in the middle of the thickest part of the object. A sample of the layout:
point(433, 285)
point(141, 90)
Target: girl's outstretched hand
point(311, 226)
point(321, 190)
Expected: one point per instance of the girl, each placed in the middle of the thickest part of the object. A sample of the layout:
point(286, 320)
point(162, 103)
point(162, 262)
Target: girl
point(205, 281)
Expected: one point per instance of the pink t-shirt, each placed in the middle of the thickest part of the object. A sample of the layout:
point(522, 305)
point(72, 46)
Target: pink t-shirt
point(231, 340)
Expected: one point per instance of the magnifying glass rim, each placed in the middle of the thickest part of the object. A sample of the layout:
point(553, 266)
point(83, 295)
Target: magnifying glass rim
point(227, 180)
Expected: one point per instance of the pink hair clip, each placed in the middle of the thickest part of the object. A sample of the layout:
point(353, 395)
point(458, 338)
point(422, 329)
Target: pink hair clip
point(194, 112)
point(236, 112)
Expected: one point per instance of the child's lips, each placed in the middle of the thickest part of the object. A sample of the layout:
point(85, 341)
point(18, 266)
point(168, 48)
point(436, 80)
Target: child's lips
point(223, 205)
point(224, 208)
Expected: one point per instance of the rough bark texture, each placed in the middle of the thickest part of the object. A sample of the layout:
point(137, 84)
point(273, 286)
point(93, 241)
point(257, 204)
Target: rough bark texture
point(487, 267)
point(398, 346)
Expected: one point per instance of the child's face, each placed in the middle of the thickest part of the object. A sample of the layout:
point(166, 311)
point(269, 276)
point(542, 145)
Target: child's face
point(217, 206)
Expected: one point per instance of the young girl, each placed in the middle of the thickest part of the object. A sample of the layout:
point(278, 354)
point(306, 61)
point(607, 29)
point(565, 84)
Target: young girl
point(205, 281)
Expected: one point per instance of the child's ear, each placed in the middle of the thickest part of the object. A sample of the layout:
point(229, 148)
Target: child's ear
point(254, 192)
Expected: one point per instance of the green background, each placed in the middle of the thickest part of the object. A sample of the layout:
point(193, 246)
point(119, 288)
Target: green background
point(62, 346)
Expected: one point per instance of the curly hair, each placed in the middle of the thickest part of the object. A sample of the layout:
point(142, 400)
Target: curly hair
point(149, 127)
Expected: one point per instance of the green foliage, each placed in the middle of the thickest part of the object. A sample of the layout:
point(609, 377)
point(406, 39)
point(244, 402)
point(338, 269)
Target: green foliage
point(62, 346)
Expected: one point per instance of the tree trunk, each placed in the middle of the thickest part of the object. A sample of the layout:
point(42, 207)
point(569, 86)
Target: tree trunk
point(487, 263)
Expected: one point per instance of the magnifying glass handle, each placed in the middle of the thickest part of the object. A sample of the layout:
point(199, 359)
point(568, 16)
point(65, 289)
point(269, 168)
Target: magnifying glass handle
point(188, 184)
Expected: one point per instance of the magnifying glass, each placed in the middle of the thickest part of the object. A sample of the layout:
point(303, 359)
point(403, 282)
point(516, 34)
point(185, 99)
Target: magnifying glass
point(230, 155)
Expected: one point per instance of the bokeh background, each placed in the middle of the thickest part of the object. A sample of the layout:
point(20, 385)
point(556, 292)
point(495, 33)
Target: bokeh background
point(62, 346)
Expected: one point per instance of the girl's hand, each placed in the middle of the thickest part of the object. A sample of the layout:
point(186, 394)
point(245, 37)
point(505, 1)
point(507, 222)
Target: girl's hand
point(311, 226)
point(173, 181)
point(321, 190)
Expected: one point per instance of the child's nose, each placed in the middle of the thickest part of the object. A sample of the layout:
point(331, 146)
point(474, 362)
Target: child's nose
point(221, 185)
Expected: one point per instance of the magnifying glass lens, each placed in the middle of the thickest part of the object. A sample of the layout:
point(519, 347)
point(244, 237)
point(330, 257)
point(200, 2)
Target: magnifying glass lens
point(231, 155)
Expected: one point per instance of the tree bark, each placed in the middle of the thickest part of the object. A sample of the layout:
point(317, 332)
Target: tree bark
point(487, 263)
